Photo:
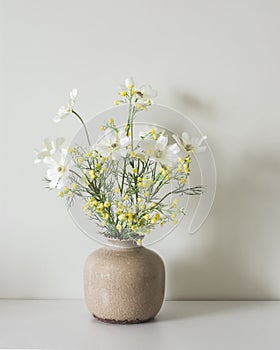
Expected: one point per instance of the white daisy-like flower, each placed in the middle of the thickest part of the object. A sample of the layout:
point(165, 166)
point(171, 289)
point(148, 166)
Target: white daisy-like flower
point(113, 145)
point(160, 151)
point(190, 144)
point(57, 168)
point(48, 147)
point(64, 111)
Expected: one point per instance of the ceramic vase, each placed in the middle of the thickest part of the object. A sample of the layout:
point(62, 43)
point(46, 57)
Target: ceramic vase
point(124, 283)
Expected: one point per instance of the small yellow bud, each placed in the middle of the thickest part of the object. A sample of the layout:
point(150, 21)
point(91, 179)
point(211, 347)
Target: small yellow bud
point(135, 170)
point(126, 197)
point(146, 194)
point(66, 189)
point(123, 93)
point(157, 216)
point(107, 204)
point(111, 121)
point(146, 216)
point(183, 180)
point(175, 222)
point(139, 242)
point(89, 154)
point(74, 186)
point(134, 227)
point(105, 215)
point(148, 231)
point(92, 174)
point(116, 102)
point(153, 204)
point(119, 227)
point(132, 154)
point(102, 128)
point(139, 200)
point(119, 211)
point(80, 160)
point(103, 223)
point(70, 150)
point(70, 194)
point(60, 194)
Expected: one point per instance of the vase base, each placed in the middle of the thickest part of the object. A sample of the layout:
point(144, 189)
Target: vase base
point(106, 320)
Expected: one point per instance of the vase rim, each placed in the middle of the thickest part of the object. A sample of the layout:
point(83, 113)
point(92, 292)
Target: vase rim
point(122, 243)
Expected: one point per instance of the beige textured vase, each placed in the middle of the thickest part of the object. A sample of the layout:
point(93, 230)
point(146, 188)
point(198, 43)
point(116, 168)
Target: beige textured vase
point(124, 283)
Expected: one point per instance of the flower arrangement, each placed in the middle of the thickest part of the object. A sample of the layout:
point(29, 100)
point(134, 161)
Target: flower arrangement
point(124, 180)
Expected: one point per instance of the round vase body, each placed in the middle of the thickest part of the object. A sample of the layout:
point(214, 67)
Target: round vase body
point(124, 283)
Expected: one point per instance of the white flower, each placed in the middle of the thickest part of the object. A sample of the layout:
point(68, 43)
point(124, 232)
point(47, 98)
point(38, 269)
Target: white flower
point(49, 146)
point(129, 83)
point(58, 168)
point(64, 111)
point(160, 151)
point(148, 92)
point(114, 145)
point(190, 144)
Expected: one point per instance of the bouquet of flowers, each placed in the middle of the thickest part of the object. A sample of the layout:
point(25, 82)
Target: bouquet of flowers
point(128, 183)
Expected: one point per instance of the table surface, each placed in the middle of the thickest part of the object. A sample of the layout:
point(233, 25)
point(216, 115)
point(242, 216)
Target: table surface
point(195, 325)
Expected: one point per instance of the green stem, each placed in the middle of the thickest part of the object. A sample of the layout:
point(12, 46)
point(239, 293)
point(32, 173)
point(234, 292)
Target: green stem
point(84, 125)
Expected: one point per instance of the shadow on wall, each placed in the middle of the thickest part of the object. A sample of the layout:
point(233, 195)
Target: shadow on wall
point(192, 105)
point(234, 259)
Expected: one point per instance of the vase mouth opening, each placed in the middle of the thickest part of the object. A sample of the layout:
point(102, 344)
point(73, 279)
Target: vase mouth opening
point(122, 243)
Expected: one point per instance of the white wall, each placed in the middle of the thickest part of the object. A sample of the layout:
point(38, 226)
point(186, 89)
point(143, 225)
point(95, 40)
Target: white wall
point(217, 61)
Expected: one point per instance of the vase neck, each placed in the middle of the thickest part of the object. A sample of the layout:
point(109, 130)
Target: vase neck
point(122, 243)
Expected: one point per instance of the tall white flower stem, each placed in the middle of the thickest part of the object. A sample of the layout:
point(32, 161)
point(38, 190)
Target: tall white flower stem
point(84, 125)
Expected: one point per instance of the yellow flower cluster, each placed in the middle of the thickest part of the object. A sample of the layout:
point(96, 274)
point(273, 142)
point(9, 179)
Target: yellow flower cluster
point(69, 192)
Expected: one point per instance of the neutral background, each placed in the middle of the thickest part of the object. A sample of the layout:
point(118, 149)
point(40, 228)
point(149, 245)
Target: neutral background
point(216, 61)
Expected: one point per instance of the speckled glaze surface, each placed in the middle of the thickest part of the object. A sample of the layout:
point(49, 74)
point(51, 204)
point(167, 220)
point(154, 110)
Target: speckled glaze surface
point(124, 283)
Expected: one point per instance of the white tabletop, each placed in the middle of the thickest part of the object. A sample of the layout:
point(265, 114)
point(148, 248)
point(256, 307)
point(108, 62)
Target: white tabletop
point(194, 325)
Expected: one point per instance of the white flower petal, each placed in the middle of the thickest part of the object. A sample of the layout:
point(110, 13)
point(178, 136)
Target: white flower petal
point(124, 142)
point(47, 144)
point(161, 142)
point(148, 91)
point(201, 140)
point(186, 138)
point(73, 94)
point(52, 174)
point(50, 162)
point(129, 83)
point(59, 141)
point(174, 148)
